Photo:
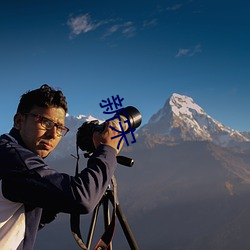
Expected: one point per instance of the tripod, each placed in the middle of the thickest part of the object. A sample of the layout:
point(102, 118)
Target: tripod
point(105, 242)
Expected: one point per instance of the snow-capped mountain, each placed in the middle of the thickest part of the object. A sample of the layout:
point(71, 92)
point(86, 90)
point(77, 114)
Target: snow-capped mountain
point(182, 119)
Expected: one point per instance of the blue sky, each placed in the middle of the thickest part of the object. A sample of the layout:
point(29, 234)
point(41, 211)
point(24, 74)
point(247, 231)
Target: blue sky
point(142, 51)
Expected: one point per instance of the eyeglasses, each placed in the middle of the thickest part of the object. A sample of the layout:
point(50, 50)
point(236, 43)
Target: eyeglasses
point(49, 124)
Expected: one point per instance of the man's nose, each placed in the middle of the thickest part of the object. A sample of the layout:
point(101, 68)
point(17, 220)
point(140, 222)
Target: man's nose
point(52, 132)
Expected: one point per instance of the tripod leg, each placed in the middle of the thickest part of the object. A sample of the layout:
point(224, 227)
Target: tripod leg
point(106, 215)
point(92, 227)
point(121, 217)
point(126, 229)
point(105, 241)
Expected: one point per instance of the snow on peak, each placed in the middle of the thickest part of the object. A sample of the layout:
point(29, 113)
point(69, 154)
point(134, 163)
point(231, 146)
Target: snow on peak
point(182, 104)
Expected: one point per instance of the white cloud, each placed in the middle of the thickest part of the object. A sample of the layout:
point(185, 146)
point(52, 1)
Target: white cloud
point(150, 23)
point(197, 49)
point(127, 29)
point(182, 52)
point(83, 24)
point(189, 52)
point(174, 7)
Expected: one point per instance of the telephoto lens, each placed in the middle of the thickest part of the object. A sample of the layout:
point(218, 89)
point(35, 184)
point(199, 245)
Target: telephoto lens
point(129, 117)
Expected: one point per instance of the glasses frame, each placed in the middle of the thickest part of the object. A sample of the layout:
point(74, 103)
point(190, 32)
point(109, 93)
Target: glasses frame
point(64, 130)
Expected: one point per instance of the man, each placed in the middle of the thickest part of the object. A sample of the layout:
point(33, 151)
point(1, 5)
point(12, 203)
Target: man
point(28, 187)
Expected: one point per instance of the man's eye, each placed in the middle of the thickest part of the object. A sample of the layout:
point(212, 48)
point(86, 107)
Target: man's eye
point(48, 123)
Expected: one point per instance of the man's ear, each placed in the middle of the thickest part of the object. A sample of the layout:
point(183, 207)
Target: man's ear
point(18, 118)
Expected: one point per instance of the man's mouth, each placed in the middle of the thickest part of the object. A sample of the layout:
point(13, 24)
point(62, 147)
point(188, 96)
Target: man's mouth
point(46, 145)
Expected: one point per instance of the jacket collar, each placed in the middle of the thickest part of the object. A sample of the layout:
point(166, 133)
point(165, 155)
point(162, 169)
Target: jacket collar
point(16, 135)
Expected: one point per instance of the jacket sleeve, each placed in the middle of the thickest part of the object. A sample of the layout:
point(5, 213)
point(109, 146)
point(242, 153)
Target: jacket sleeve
point(30, 181)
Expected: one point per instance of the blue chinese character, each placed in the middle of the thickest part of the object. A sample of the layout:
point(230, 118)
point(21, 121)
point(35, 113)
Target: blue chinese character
point(117, 114)
point(122, 133)
point(116, 101)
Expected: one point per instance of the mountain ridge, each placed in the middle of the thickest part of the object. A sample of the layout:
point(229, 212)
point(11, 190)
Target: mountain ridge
point(182, 119)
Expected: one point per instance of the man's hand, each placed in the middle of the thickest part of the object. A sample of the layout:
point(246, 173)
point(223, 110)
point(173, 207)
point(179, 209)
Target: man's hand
point(105, 137)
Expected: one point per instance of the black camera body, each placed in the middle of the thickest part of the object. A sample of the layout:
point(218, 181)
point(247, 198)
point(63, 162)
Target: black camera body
point(129, 118)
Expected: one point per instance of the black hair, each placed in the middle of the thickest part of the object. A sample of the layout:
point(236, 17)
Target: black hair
point(45, 96)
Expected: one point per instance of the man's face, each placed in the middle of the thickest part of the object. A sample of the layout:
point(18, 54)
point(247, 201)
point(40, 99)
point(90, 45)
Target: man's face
point(36, 138)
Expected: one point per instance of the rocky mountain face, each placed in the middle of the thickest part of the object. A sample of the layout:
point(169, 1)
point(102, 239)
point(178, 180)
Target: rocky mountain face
point(188, 189)
point(181, 119)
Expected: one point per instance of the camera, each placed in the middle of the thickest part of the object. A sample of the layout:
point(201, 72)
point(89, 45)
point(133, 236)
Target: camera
point(128, 118)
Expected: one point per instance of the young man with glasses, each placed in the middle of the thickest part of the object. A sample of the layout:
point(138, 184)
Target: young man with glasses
point(30, 192)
